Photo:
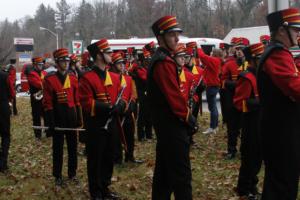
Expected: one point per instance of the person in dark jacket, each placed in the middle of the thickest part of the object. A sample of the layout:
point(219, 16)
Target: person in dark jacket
point(278, 82)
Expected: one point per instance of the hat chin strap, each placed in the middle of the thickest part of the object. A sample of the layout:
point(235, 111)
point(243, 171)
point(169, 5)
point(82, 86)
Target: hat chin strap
point(166, 44)
point(289, 35)
point(103, 58)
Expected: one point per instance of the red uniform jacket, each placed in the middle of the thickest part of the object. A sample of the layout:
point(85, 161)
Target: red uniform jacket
point(229, 71)
point(211, 70)
point(284, 73)
point(169, 85)
point(142, 73)
point(297, 62)
point(56, 92)
point(35, 80)
point(246, 88)
point(130, 90)
point(186, 80)
point(130, 67)
point(197, 73)
point(12, 76)
point(92, 88)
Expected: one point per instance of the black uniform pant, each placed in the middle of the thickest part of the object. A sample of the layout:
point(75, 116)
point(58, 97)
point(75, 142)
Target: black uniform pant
point(225, 106)
point(144, 124)
point(233, 129)
point(196, 108)
point(58, 149)
point(100, 155)
point(5, 135)
point(172, 172)
point(129, 130)
point(251, 156)
point(282, 168)
point(37, 114)
point(14, 106)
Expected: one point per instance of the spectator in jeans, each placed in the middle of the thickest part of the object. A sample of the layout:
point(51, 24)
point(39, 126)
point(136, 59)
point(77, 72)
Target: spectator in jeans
point(212, 66)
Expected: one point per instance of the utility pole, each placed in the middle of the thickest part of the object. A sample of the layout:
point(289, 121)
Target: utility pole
point(58, 25)
point(51, 32)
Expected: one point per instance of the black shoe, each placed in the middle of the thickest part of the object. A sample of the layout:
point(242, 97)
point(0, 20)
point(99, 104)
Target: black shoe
point(132, 160)
point(109, 195)
point(48, 134)
point(4, 169)
point(141, 139)
point(229, 156)
point(97, 198)
point(252, 197)
point(118, 162)
point(59, 182)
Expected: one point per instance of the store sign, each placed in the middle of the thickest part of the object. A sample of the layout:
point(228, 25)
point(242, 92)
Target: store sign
point(77, 47)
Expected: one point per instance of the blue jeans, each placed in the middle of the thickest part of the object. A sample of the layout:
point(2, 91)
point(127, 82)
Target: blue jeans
point(211, 94)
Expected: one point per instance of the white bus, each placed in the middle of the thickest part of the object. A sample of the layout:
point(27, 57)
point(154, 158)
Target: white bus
point(207, 44)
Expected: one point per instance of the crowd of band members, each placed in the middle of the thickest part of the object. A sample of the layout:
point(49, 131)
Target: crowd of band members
point(160, 89)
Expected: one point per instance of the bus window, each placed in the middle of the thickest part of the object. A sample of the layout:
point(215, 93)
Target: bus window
point(207, 48)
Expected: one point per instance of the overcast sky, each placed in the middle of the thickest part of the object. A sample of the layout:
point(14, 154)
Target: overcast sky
point(16, 9)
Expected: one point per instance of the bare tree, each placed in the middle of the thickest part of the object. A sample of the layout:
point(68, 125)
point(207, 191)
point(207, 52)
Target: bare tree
point(64, 9)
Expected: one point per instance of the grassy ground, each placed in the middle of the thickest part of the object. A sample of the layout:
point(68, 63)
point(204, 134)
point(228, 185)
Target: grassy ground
point(30, 164)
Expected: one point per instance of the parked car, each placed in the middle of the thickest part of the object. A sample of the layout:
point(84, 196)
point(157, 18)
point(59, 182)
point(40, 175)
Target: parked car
point(18, 86)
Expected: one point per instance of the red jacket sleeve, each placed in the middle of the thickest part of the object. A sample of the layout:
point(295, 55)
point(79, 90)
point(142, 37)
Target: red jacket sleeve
point(242, 93)
point(86, 95)
point(128, 90)
point(209, 61)
point(12, 74)
point(284, 73)
point(35, 80)
point(142, 73)
point(76, 92)
point(165, 75)
point(47, 95)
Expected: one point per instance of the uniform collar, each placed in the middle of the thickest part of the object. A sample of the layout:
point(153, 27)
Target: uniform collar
point(165, 51)
point(102, 73)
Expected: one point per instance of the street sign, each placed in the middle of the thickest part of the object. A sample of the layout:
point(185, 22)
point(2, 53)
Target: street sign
point(77, 47)
point(23, 41)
